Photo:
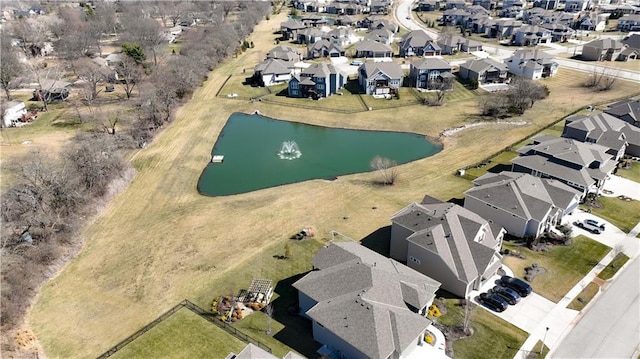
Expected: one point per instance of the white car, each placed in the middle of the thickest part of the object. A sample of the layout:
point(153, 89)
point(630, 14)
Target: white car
point(591, 225)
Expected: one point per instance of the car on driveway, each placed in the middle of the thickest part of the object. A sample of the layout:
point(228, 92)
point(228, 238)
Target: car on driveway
point(511, 296)
point(591, 225)
point(493, 302)
point(518, 285)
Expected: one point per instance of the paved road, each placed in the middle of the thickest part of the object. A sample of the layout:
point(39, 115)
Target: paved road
point(405, 18)
point(615, 334)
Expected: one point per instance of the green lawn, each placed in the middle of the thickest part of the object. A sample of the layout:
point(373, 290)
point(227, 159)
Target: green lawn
point(613, 267)
point(585, 297)
point(182, 335)
point(501, 162)
point(622, 214)
point(492, 338)
point(633, 173)
point(565, 265)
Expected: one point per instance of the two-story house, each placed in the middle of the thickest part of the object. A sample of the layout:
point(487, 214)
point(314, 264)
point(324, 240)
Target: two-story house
point(364, 305)
point(431, 74)
point(316, 81)
point(583, 166)
point(484, 71)
point(418, 43)
point(372, 49)
point(380, 78)
point(531, 35)
point(532, 64)
point(606, 49)
point(524, 205)
point(630, 22)
point(272, 72)
point(448, 243)
point(620, 137)
point(324, 48)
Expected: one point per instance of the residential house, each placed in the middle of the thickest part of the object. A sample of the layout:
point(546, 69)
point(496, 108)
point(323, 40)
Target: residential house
point(448, 243)
point(384, 36)
point(372, 49)
point(484, 71)
point(620, 137)
point(341, 36)
point(456, 17)
point(480, 23)
point(345, 20)
point(559, 32)
point(509, 3)
point(455, 4)
point(629, 23)
point(364, 305)
point(429, 5)
point(592, 22)
point(272, 72)
point(114, 59)
point(537, 16)
point(632, 41)
point(584, 166)
point(577, 5)
point(513, 12)
point(285, 53)
point(431, 74)
point(546, 4)
point(532, 64)
point(309, 35)
point(451, 44)
point(290, 28)
point(418, 43)
point(52, 90)
point(379, 7)
point(311, 20)
point(504, 28)
point(324, 48)
point(384, 24)
point(524, 205)
point(531, 35)
point(380, 78)
point(487, 4)
point(316, 81)
point(607, 49)
point(626, 110)
point(13, 112)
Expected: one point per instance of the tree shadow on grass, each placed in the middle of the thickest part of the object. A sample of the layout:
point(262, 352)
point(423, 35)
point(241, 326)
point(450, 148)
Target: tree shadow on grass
point(297, 332)
point(353, 87)
point(378, 241)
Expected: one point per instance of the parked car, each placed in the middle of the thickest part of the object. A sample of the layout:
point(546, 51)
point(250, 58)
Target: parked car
point(493, 302)
point(591, 225)
point(511, 296)
point(518, 285)
point(356, 63)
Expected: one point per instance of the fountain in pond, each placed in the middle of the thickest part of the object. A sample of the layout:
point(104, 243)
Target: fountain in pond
point(289, 151)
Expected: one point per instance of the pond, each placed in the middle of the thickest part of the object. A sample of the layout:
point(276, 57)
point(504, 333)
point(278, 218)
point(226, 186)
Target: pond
point(261, 152)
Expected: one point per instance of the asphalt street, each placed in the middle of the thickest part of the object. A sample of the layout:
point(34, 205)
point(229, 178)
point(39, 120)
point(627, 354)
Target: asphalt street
point(611, 326)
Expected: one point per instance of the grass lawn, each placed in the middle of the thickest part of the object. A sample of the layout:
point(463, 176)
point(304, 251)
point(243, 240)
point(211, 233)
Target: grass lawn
point(565, 265)
point(237, 85)
point(622, 214)
point(501, 162)
point(613, 267)
point(584, 297)
point(492, 338)
point(159, 241)
point(632, 173)
point(182, 335)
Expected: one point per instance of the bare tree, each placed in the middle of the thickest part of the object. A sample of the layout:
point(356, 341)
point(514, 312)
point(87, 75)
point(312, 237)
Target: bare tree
point(11, 68)
point(145, 31)
point(269, 312)
point(129, 73)
point(468, 312)
point(92, 74)
point(48, 79)
point(387, 169)
point(601, 79)
point(32, 33)
point(440, 86)
point(523, 93)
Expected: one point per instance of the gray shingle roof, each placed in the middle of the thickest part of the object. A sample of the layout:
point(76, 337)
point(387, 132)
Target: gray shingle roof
point(480, 65)
point(521, 194)
point(605, 130)
point(449, 231)
point(272, 66)
point(392, 69)
point(431, 63)
point(363, 296)
point(416, 38)
point(604, 44)
point(370, 45)
point(626, 108)
point(544, 165)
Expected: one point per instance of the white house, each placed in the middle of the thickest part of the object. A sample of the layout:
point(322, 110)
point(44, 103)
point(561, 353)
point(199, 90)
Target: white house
point(532, 64)
point(13, 111)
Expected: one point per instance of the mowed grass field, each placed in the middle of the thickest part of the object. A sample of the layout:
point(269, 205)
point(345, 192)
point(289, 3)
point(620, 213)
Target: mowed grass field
point(159, 242)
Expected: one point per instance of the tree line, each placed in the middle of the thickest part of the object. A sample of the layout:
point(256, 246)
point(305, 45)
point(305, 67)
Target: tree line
point(51, 196)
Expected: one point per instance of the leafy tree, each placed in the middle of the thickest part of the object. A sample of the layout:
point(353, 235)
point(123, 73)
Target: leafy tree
point(134, 51)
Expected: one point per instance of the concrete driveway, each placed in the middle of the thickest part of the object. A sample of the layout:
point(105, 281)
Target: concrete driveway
point(617, 186)
point(611, 236)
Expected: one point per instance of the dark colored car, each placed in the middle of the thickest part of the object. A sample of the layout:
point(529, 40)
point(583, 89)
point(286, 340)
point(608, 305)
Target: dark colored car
point(516, 284)
point(511, 296)
point(493, 302)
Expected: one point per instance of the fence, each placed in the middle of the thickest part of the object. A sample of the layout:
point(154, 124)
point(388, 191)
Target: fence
point(195, 309)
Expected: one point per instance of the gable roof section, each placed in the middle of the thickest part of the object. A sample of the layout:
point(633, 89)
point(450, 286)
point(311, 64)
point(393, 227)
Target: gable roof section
point(542, 164)
point(633, 41)
point(625, 108)
point(481, 65)
point(569, 150)
point(432, 63)
point(449, 231)
point(362, 298)
point(272, 66)
point(606, 130)
point(392, 69)
point(416, 38)
point(605, 44)
point(370, 45)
